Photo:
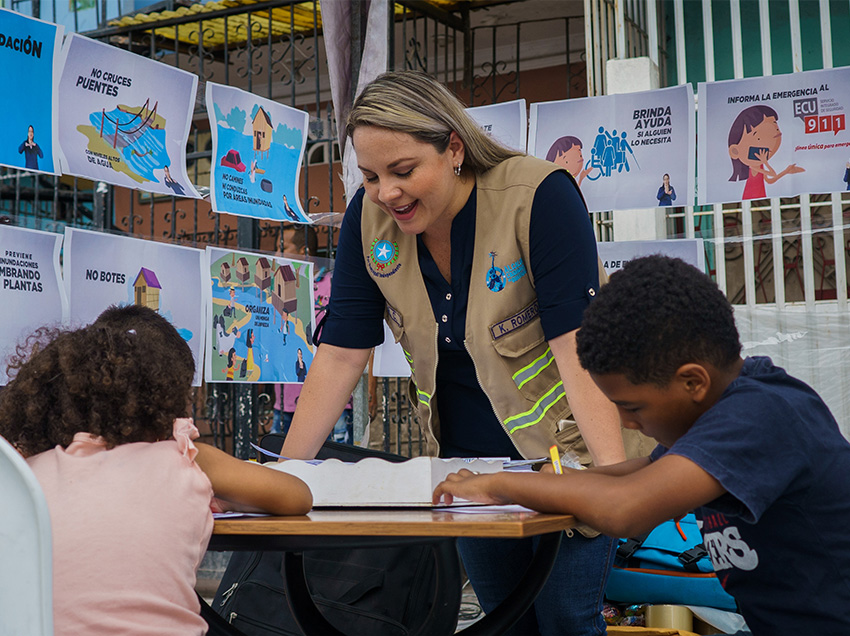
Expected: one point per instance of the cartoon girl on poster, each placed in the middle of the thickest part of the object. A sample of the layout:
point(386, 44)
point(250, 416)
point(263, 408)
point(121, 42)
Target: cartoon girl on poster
point(753, 139)
point(566, 152)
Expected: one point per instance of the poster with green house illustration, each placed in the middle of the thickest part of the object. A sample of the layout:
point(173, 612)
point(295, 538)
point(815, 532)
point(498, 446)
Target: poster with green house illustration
point(261, 319)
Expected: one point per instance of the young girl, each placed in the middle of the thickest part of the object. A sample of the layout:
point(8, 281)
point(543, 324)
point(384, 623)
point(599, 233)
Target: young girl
point(97, 412)
point(754, 138)
point(566, 152)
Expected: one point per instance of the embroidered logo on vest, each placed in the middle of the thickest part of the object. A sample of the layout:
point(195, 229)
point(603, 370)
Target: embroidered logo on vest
point(495, 275)
point(382, 257)
point(515, 271)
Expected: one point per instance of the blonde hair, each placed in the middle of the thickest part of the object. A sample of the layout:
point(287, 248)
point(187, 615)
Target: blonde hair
point(414, 103)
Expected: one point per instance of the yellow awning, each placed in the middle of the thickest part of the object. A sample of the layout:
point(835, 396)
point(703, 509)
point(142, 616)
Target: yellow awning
point(219, 17)
point(233, 16)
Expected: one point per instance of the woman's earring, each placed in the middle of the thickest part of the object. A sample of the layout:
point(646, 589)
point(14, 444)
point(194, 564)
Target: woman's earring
point(457, 170)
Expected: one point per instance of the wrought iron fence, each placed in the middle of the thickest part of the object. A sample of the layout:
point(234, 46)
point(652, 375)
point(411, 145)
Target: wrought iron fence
point(275, 49)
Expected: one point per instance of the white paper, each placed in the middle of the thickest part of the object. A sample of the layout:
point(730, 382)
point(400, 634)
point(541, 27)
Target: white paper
point(377, 482)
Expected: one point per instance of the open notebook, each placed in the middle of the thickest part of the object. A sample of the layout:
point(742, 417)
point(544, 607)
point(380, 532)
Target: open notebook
point(379, 483)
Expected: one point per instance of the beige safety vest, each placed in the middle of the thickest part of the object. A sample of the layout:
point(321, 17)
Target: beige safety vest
point(512, 359)
point(513, 362)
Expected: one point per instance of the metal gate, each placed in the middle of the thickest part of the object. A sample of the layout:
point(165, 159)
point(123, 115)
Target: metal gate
point(783, 261)
point(274, 48)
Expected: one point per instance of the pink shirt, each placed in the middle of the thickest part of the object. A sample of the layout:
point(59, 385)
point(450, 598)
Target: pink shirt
point(286, 396)
point(130, 526)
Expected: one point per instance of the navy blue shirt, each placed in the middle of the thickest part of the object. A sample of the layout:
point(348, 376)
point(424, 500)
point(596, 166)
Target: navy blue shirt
point(779, 537)
point(564, 265)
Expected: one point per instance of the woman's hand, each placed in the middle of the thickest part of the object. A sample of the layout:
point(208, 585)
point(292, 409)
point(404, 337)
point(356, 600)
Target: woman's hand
point(471, 486)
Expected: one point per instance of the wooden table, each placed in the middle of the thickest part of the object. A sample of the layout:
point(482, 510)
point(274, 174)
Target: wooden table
point(361, 528)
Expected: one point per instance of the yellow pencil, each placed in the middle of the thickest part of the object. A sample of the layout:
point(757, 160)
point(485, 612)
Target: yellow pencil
point(556, 459)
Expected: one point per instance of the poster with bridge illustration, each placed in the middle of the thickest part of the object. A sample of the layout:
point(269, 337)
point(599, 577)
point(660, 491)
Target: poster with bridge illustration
point(258, 147)
point(626, 151)
point(29, 57)
point(124, 119)
point(104, 269)
point(260, 316)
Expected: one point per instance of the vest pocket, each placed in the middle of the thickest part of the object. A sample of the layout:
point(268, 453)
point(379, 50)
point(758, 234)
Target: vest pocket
point(569, 438)
point(530, 362)
point(521, 340)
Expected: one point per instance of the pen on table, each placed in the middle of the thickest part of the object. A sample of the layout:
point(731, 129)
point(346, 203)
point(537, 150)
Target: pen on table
point(556, 460)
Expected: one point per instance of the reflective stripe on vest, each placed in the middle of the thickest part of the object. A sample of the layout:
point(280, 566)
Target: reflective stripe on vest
point(533, 416)
point(409, 359)
point(532, 370)
point(423, 397)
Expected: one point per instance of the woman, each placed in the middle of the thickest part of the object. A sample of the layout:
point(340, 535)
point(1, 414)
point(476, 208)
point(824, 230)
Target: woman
point(444, 210)
point(566, 152)
point(754, 139)
point(666, 193)
point(30, 150)
point(300, 366)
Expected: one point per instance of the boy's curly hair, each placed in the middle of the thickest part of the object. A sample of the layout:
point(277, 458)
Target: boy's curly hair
point(125, 378)
point(655, 315)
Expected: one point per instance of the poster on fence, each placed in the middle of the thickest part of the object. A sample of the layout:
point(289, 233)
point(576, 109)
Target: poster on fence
point(29, 56)
point(625, 151)
point(776, 136)
point(615, 254)
point(506, 122)
point(124, 118)
point(105, 269)
point(258, 147)
point(261, 317)
point(32, 295)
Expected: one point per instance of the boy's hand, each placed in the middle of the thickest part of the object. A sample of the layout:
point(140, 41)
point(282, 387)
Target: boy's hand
point(468, 485)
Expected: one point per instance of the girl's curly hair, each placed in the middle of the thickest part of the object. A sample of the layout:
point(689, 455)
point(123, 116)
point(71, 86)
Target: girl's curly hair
point(125, 378)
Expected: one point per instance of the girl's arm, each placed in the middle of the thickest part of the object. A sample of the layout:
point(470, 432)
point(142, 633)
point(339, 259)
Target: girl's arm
point(595, 415)
point(250, 487)
point(792, 169)
point(617, 505)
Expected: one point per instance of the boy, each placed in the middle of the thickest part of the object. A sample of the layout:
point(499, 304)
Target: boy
point(755, 452)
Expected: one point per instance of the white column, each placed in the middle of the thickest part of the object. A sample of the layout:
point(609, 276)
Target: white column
point(631, 76)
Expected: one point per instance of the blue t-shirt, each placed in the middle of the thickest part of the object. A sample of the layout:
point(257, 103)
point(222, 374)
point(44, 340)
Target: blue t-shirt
point(564, 264)
point(780, 538)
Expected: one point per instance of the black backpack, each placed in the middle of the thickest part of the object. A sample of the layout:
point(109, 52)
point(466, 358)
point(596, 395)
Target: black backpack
point(386, 591)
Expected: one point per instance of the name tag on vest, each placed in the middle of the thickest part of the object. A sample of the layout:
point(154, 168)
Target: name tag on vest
point(506, 326)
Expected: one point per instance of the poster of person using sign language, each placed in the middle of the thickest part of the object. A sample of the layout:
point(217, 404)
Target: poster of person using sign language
point(618, 147)
point(29, 56)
